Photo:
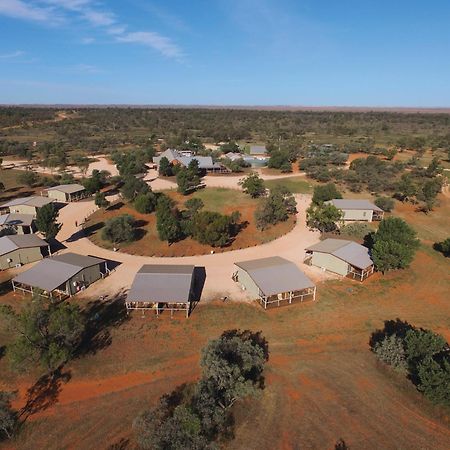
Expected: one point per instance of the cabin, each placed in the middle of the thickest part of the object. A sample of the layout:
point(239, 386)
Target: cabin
point(346, 258)
point(161, 288)
point(67, 192)
point(19, 223)
point(26, 205)
point(61, 275)
point(258, 150)
point(205, 163)
point(19, 249)
point(274, 280)
point(357, 210)
point(233, 156)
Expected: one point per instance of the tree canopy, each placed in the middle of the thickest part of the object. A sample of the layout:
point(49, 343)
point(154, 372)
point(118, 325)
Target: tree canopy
point(253, 185)
point(46, 221)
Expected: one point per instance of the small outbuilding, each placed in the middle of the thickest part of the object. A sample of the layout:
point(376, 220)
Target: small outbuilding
point(258, 150)
point(357, 210)
point(162, 287)
point(274, 280)
point(67, 192)
point(19, 249)
point(20, 223)
point(346, 258)
point(26, 205)
point(65, 274)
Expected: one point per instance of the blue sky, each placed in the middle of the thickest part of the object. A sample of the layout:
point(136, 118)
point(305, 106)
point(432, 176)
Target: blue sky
point(241, 52)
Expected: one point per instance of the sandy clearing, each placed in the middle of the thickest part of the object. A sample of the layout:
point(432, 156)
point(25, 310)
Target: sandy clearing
point(101, 164)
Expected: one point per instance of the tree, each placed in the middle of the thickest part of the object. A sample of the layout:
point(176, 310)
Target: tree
point(357, 230)
point(46, 221)
point(279, 159)
point(275, 208)
point(253, 185)
point(394, 244)
point(119, 229)
point(232, 365)
point(132, 187)
point(8, 416)
point(325, 192)
point(145, 203)
point(167, 220)
point(391, 351)
point(389, 153)
point(46, 333)
point(324, 218)
point(434, 379)
point(28, 178)
point(188, 178)
point(212, 228)
point(422, 344)
point(428, 193)
point(406, 189)
point(165, 168)
point(101, 201)
point(443, 247)
point(385, 203)
point(97, 181)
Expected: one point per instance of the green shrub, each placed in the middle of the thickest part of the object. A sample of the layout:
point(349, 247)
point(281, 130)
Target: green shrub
point(119, 229)
point(357, 230)
point(385, 203)
point(391, 351)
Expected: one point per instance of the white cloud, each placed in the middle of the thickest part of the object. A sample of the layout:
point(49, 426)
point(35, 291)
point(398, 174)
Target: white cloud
point(19, 9)
point(12, 55)
point(87, 40)
point(154, 40)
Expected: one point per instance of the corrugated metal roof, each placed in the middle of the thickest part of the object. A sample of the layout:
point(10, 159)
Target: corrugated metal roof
point(355, 254)
point(67, 188)
point(258, 150)
point(275, 275)
point(37, 201)
point(77, 260)
point(51, 273)
point(16, 219)
point(14, 242)
point(204, 162)
point(162, 283)
point(346, 203)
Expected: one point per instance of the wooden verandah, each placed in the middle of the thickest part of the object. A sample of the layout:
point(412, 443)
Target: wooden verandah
point(288, 297)
point(159, 307)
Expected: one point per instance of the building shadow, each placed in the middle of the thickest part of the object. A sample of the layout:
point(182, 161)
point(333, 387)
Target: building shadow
point(55, 245)
point(199, 284)
point(101, 315)
point(44, 393)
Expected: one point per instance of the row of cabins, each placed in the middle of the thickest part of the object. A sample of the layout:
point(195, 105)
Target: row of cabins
point(19, 214)
point(271, 281)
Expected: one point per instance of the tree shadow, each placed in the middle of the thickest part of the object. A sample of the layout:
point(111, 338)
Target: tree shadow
point(85, 232)
point(2, 351)
point(55, 245)
point(101, 315)
point(115, 206)
point(341, 445)
point(398, 327)
point(139, 233)
point(44, 393)
point(5, 287)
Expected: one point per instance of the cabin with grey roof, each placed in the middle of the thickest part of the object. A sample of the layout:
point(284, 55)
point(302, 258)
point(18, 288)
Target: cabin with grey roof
point(343, 257)
point(357, 209)
point(66, 192)
point(273, 280)
point(61, 275)
point(26, 205)
point(20, 223)
point(19, 249)
point(162, 287)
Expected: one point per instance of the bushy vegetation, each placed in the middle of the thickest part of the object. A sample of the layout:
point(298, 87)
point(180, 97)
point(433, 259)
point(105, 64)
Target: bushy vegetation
point(45, 333)
point(100, 200)
point(213, 228)
point(188, 178)
point(119, 229)
point(277, 207)
point(422, 354)
point(134, 162)
point(325, 192)
point(393, 245)
point(443, 247)
point(145, 203)
point(200, 416)
point(324, 217)
point(253, 185)
point(8, 416)
point(356, 230)
point(132, 187)
point(97, 181)
point(385, 203)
